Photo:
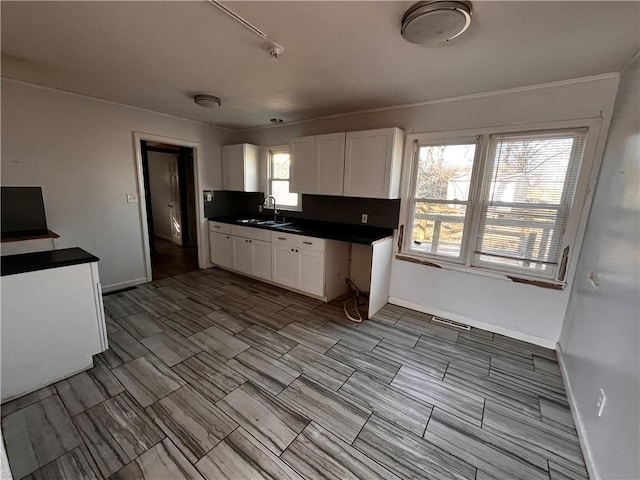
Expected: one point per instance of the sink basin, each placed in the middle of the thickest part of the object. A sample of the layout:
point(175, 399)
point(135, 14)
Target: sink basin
point(249, 221)
point(274, 223)
point(288, 227)
point(261, 221)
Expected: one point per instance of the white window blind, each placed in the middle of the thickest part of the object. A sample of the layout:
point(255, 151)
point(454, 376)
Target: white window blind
point(527, 190)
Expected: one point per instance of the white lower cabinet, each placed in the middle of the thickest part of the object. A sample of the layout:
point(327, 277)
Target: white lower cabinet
point(310, 265)
point(220, 249)
point(261, 259)
point(252, 257)
point(285, 265)
point(298, 268)
point(311, 271)
point(242, 254)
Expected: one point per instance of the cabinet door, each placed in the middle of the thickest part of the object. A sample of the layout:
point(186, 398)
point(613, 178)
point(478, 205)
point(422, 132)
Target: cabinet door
point(368, 158)
point(284, 261)
point(242, 254)
point(311, 272)
point(330, 164)
point(261, 259)
point(220, 249)
point(302, 153)
point(233, 167)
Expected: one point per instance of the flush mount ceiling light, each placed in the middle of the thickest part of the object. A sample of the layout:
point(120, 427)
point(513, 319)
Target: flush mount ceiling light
point(432, 23)
point(208, 101)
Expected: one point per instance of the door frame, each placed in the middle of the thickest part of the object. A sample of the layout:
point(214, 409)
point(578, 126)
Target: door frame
point(201, 224)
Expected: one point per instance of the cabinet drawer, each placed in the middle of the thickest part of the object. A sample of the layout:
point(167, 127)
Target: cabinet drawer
point(219, 227)
point(250, 232)
point(299, 241)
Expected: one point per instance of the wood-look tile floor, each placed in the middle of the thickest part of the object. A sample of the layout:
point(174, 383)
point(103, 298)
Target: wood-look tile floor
point(214, 376)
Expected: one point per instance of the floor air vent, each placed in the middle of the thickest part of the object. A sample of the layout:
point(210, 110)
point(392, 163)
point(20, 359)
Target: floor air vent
point(451, 323)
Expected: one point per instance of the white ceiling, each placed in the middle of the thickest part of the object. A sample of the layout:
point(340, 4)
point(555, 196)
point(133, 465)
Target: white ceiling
point(340, 56)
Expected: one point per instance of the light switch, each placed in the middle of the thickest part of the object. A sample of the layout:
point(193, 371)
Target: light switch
point(132, 198)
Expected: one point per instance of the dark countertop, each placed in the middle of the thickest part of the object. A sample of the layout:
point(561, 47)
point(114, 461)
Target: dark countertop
point(333, 231)
point(32, 262)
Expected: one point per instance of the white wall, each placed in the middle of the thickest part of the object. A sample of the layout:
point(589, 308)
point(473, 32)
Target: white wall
point(160, 192)
point(524, 311)
point(600, 340)
point(81, 151)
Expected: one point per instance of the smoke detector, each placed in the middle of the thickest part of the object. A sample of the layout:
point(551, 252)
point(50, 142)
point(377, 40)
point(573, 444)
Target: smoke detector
point(273, 49)
point(436, 22)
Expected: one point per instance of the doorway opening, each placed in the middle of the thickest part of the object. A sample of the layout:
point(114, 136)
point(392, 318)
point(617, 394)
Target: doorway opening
point(170, 197)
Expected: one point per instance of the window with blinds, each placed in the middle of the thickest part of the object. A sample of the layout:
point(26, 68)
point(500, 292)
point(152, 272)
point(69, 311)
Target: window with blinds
point(498, 201)
point(527, 191)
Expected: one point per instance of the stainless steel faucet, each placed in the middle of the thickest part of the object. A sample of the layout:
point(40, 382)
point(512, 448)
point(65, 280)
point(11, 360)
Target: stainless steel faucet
point(275, 207)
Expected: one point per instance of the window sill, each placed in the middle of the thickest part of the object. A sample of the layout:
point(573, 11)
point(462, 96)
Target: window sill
point(537, 282)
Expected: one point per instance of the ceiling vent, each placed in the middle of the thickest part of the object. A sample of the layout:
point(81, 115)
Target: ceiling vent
point(435, 23)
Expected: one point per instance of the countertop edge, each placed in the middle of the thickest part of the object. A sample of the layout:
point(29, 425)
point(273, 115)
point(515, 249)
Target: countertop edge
point(44, 260)
point(362, 240)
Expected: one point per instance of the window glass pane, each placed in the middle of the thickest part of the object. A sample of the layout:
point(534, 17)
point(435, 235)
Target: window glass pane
point(438, 228)
point(444, 171)
point(280, 190)
point(526, 196)
point(522, 237)
point(531, 170)
point(280, 166)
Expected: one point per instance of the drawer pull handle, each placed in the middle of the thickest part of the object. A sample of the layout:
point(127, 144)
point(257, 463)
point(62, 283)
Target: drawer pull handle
point(282, 238)
point(217, 226)
point(308, 243)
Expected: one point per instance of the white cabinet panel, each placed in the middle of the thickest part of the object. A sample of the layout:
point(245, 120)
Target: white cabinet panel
point(329, 164)
point(285, 265)
point(372, 163)
point(219, 227)
point(302, 153)
point(310, 272)
point(242, 254)
point(220, 249)
point(52, 325)
point(240, 167)
point(261, 259)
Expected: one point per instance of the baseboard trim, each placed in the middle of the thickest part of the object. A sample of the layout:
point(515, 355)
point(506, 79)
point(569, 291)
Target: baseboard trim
point(120, 285)
point(577, 418)
point(525, 337)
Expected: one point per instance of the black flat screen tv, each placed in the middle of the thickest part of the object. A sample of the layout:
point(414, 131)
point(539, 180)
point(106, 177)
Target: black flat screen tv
point(23, 212)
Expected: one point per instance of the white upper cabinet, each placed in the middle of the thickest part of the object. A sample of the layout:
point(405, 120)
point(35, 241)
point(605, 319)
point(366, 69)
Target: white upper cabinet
point(329, 164)
point(240, 167)
point(302, 153)
point(317, 164)
point(355, 164)
point(373, 159)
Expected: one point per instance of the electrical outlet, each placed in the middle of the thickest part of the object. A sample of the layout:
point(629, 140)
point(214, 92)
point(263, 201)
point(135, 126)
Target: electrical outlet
point(602, 399)
point(132, 198)
point(260, 208)
point(365, 217)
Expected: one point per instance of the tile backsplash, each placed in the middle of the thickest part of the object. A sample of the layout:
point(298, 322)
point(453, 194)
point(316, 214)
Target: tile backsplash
point(349, 210)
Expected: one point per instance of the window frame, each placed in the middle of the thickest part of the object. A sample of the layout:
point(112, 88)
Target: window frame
point(578, 210)
point(413, 200)
point(269, 151)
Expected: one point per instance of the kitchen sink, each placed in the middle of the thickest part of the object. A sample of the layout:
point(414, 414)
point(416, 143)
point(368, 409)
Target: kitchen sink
point(263, 222)
point(274, 223)
point(288, 227)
